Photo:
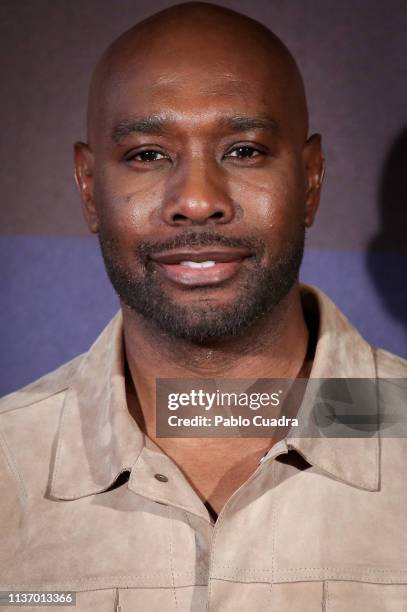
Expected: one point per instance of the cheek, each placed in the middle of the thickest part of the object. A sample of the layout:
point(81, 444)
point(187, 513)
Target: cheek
point(272, 197)
point(126, 202)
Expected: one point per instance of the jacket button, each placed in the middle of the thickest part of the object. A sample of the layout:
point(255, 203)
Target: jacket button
point(161, 477)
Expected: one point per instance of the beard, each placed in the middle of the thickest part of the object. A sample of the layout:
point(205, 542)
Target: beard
point(260, 288)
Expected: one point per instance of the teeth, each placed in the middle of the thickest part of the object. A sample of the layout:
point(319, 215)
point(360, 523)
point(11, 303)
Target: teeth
point(196, 264)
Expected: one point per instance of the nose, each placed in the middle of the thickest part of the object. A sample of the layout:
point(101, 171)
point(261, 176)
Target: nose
point(198, 195)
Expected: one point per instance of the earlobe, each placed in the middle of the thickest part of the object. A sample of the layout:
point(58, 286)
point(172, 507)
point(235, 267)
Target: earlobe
point(314, 165)
point(84, 181)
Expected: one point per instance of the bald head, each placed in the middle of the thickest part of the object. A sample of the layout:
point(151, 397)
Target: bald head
point(212, 44)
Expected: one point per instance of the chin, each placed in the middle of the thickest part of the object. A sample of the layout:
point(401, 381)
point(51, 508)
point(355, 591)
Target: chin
point(201, 325)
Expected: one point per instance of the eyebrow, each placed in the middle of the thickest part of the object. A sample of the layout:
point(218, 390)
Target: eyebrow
point(155, 124)
point(243, 123)
point(158, 124)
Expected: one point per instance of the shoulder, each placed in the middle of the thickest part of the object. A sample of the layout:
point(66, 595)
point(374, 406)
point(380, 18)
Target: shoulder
point(389, 365)
point(29, 420)
point(42, 389)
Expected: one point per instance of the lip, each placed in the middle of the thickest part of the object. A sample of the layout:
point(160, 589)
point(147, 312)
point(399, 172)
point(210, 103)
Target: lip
point(228, 262)
point(175, 256)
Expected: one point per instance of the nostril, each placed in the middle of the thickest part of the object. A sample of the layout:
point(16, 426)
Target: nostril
point(217, 215)
point(179, 217)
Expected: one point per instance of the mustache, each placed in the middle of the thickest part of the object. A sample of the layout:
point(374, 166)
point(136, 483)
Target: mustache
point(196, 239)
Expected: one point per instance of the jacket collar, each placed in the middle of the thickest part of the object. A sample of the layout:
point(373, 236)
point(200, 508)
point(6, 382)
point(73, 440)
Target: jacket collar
point(341, 352)
point(98, 439)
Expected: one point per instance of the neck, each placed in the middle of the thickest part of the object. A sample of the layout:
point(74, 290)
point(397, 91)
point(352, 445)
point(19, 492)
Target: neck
point(274, 347)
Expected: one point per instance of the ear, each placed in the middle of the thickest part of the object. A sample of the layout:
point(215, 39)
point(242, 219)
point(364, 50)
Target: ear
point(84, 164)
point(314, 166)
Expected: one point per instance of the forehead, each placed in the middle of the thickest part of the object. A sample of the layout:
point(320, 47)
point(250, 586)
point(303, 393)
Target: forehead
point(193, 90)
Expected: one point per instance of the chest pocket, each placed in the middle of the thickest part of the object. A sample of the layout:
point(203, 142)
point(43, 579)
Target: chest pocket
point(356, 596)
point(181, 599)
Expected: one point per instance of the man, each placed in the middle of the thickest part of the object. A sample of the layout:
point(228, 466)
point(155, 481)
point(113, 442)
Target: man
point(199, 178)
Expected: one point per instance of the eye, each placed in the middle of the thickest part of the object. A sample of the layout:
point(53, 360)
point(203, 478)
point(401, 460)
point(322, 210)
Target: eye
point(147, 156)
point(244, 152)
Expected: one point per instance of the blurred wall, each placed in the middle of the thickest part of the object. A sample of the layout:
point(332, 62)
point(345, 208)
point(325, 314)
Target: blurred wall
point(55, 297)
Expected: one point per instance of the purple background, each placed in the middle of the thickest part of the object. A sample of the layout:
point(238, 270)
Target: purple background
point(55, 294)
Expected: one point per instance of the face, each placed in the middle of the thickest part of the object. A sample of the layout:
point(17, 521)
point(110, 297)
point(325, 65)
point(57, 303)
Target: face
point(199, 184)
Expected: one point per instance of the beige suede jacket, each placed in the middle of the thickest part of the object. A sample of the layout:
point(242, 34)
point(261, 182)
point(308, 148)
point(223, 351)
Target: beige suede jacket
point(328, 533)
